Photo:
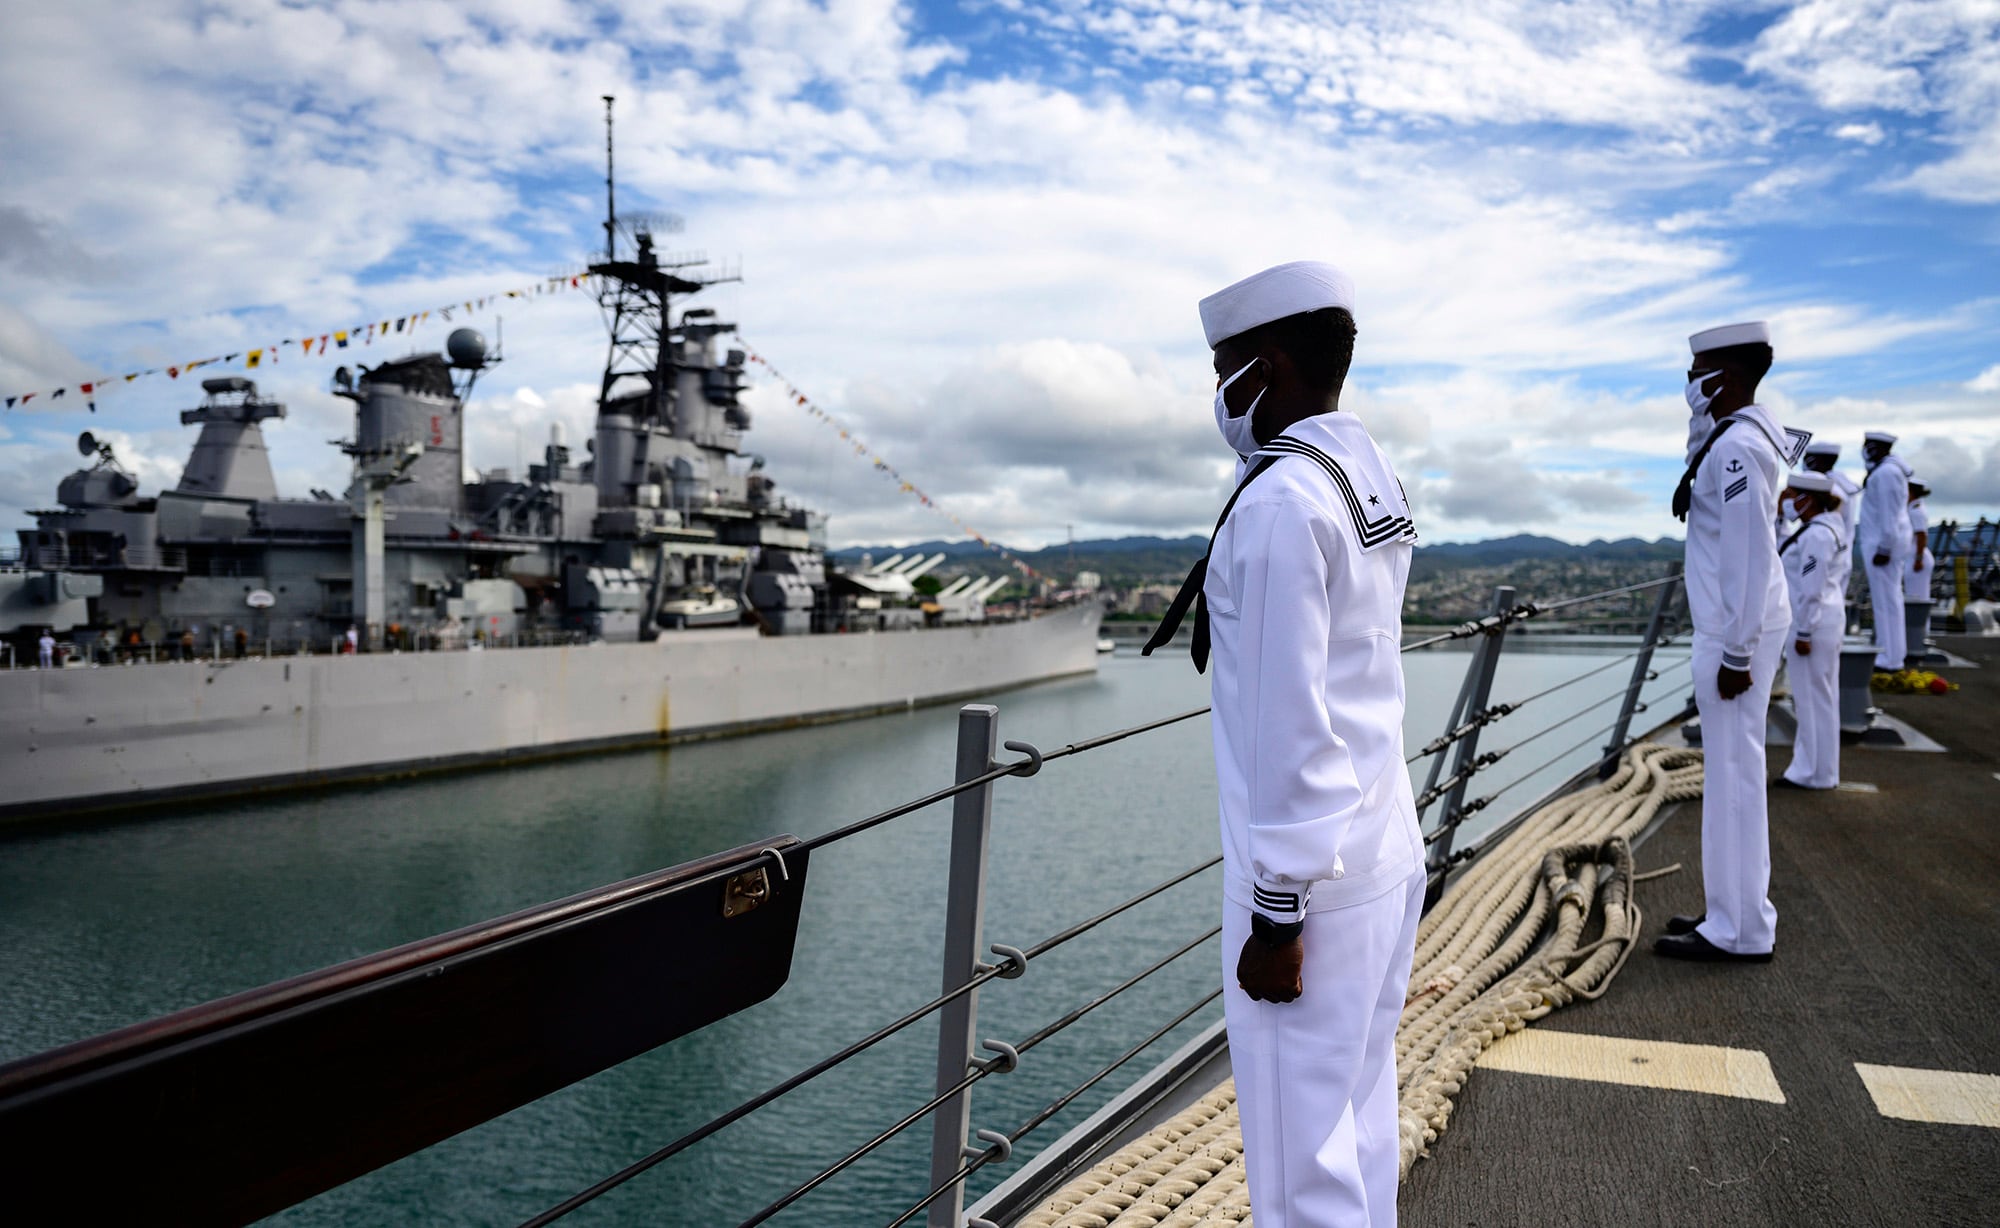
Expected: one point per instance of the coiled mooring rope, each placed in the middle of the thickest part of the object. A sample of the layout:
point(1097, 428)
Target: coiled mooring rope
point(1503, 948)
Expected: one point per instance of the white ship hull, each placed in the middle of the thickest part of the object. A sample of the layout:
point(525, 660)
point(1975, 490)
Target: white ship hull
point(77, 740)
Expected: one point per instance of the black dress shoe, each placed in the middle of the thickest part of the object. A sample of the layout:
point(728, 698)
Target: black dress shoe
point(1786, 782)
point(1694, 946)
point(1684, 924)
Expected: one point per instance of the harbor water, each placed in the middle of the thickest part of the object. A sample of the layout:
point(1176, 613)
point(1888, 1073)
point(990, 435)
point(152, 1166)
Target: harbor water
point(108, 924)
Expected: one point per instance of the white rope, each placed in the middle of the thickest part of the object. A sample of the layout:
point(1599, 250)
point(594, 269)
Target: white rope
point(1502, 949)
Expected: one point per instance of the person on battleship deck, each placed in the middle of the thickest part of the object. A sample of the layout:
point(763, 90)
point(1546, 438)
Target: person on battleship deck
point(1810, 554)
point(1302, 593)
point(1737, 458)
point(1917, 580)
point(1887, 545)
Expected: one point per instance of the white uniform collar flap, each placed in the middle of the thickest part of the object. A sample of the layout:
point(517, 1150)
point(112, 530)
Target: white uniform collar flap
point(1362, 478)
point(1787, 443)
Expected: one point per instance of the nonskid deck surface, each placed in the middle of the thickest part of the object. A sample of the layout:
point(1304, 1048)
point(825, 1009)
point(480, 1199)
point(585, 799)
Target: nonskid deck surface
point(1889, 917)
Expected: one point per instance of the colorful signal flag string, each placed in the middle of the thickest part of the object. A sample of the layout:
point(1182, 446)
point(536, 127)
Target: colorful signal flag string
point(312, 344)
point(883, 467)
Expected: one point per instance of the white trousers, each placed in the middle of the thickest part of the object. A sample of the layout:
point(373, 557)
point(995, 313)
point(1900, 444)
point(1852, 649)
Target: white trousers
point(1316, 1078)
point(1917, 584)
point(1885, 593)
point(1735, 824)
point(1816, 699)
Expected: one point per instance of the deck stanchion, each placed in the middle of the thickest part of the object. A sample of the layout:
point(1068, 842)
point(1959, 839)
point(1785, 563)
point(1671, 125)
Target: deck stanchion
point(1451, 723)
point(965, 913)
point(1479, 675)
point(1640, 668)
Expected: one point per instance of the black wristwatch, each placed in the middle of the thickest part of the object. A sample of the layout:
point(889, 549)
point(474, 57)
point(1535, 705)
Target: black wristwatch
point(1274, 934)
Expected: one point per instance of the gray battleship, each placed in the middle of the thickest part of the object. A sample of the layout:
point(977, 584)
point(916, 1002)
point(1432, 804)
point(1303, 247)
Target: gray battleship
point(656, 587)
point(666, 523)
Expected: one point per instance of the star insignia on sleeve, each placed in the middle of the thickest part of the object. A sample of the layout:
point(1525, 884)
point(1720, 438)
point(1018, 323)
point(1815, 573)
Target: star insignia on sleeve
point(1375, 500)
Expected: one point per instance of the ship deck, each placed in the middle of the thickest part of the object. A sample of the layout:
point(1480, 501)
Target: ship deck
point(1889, 917)
point(1853, 1080)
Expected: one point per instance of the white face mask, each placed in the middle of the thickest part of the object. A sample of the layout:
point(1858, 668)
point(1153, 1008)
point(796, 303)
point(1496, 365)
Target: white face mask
point(1700, 423)
point(1699, 401)
point(1236, 430)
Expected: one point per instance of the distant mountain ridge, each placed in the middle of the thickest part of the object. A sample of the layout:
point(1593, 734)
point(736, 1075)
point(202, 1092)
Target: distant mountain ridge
point(1102, 545)
point(1491, 552)
point(1126, 562)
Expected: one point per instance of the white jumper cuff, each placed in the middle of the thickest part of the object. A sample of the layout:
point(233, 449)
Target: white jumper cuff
point(1282, 902)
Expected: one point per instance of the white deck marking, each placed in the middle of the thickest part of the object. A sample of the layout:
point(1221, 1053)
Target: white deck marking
point(1947, 1097)
point(1669, 1065)
point(1856, 786)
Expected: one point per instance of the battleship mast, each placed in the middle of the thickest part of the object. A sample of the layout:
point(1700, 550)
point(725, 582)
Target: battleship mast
point(638, 396)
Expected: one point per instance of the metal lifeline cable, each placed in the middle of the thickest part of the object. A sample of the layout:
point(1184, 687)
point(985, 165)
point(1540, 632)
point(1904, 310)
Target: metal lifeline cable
point(1549, 729)
point(1551, 761)
point(1120, 735)
point(1063, 1101)
point(1082, 927)
point(1490, 758)
point(1012, 1057)
point(1570, 682)
point(758, 1101)
point(1065, 1021)
point(825, 1064)
point(1547, 796)
point(989, 1156)
point(1642, 586)
point(880, 464)
point(867, 1148)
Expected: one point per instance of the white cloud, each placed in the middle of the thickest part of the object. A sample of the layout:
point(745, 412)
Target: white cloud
point(1964, 477)
point(1811, 331)
point(1970, 176)
point(1986, 381)
point(992, 275)
point(1613, 65)
point(1916, 57)
point(1861, 134)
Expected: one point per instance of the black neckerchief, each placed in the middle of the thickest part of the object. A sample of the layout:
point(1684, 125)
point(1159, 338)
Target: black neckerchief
point(1684, 493)
point(1191, 588)
point(1801, 532)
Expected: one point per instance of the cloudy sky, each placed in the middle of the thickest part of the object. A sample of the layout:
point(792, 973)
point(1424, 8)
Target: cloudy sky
point(976, 229)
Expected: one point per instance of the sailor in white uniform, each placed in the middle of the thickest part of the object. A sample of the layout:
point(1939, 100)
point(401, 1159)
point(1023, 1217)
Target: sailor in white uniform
point(1820, 457)
point(1810, 554)
point(1886, 545)
point(1917, 581)
point(1301, 595)
point(1738, 455)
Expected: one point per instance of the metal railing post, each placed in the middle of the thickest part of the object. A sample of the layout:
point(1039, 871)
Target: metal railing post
point(1479, 674)
point(1451, 722)
point(965, 914)
point(1640, 668)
